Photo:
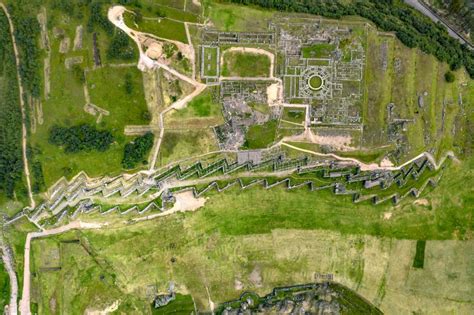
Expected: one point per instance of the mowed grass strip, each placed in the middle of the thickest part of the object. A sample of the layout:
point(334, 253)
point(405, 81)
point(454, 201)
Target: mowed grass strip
point(240, 64)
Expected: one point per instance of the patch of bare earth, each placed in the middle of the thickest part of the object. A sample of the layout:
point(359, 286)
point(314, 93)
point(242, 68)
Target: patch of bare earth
point(255, 277)
point(109, 309)
point(422, 202)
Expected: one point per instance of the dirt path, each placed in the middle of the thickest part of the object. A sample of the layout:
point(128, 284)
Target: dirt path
point(25, 301)
point(374, 166)
point(190, 43)
point(22, 105)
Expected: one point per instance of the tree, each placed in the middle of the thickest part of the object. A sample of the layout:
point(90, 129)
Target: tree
point(78, 73)
point(449, 77)
point(128, 84)
point(136, 150)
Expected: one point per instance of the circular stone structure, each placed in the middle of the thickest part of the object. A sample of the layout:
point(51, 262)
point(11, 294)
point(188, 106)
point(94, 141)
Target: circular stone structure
point(315, 82)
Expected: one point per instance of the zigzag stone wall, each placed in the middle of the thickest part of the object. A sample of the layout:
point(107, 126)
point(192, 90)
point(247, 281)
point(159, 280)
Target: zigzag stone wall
point(76, 196)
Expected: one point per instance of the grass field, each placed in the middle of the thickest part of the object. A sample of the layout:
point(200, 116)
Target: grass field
point(183, 304)
point(402, 76)
point(237, 64)
point(210, 61)
point(261, 136)
point(318, 51)
point(198, 257)
point(230, 17)
point(295, 115)
point(66, 101)
point(178, 145)
point(107, 90)
point(164, 27)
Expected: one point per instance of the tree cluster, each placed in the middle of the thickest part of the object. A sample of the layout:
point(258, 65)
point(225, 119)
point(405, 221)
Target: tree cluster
point(11, 163)
point(80, 138)
point(26, 34)
point(137, 150)
point(97, 17)
point(411, 27)
point(120, 47)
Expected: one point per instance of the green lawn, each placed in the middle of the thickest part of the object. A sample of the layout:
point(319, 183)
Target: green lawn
point(164, 28)
point(296, 115)
point(318, 51)
point(419, 260)
point(201, 106)
point(107, 90)
point(210, 61)
point(183, 304)
point(261, 136)
point(245, 65)
point(231, 17)
point(66, 102)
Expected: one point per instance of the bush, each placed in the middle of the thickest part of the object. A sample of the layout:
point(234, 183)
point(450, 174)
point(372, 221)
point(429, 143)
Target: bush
point(128, 84)
point(78, 73)
point(136, 150)
point(121, 47)
point(449, 77)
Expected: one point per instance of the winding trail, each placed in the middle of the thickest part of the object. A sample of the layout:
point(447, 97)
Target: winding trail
point(22, 105)
point(25, 301)
point(374, 166)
